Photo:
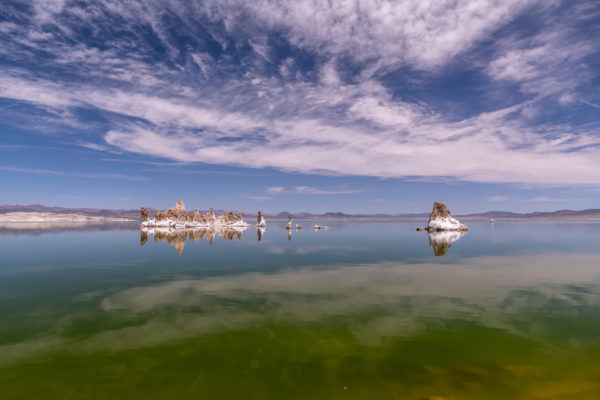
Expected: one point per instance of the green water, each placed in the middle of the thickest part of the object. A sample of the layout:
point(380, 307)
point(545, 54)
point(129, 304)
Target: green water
point(363, 310)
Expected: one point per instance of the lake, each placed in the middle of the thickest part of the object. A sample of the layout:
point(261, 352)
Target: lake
point(510, 310)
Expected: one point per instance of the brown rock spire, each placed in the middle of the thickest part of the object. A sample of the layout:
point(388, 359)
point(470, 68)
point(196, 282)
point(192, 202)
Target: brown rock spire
point(439, 211)
point(180, 206)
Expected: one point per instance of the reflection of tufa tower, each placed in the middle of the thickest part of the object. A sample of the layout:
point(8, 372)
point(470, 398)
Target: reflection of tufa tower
point(442, 241)
point(440, 247)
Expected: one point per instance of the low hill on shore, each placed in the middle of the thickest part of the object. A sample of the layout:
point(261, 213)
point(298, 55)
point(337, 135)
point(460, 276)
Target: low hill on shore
point(39, 212)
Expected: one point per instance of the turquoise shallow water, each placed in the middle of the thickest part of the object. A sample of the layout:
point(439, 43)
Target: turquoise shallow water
point(512, 310)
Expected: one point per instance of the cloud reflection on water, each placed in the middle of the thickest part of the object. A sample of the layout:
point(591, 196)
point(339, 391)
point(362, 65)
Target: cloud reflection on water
point(373, 301)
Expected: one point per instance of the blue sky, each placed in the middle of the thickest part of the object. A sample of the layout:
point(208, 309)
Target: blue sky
point(353, 106)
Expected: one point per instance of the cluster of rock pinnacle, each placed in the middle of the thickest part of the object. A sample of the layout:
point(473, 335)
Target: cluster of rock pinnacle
point(179, 214)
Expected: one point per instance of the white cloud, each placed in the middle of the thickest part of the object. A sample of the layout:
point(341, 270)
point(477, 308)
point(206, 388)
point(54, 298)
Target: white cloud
point(276, 189)
point(329, 75)
point(548, 63)
point(310, 190)
point(497, 198)
point(87, 175)
point(257, 198)
point(324, 125)
point(313, 190)
point(422, 33)
point(590, 104)
point(356, 130)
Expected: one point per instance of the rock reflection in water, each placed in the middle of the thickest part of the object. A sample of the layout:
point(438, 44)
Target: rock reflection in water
point(178, 237)
point(442, 241)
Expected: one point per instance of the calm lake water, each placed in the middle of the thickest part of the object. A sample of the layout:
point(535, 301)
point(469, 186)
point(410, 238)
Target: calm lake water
point(362, 310)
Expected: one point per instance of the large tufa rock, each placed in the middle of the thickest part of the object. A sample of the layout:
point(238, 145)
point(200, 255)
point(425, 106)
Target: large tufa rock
point(440, 219)
point(439, 211)
point(144, 214)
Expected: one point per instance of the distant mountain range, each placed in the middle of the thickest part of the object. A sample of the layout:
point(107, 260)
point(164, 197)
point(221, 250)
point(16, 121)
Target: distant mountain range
point(589, 213)
point(92, 212)
point(135, 213)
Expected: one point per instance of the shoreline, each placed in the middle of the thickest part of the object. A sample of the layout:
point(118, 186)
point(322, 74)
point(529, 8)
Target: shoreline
point(36, 217)
point(26, 217)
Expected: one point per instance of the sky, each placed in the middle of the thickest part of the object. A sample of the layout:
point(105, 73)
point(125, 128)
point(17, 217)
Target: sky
point(307, 105)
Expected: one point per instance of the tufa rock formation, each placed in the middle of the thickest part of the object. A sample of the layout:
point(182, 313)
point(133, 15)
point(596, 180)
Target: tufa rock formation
point(289, 224)
point(440, 219)
point(180, 206)
point(178, 217)
point(144, 214)
point(439, 211)
point(261, 220)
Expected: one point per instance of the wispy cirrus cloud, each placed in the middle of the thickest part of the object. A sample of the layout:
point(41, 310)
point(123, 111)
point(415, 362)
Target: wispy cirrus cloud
point(224, 95)
point(498, 198)
point(549, 63)
point(276, 189)
point(589, 103)
point(537, 199)
point(49, 172)
point(379, 137)
point(423, 34)
point(310, 190)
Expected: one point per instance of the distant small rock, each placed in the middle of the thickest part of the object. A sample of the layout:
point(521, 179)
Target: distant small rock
point(261, 223)
point(289, 224)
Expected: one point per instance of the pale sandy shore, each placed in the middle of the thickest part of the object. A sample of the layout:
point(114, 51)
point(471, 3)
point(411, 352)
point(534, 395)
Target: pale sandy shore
point(45, 217)
point(54, 217)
